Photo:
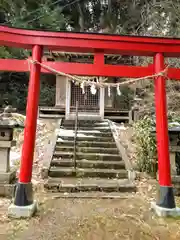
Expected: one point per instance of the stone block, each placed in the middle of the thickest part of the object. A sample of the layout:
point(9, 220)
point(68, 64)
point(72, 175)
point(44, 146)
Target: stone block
point(7, 144)
point(165, 212)
point(4, 160)
point(7, 190)
point(7, 177)
point(173, 163)
point(22, 211)
point(6, 134)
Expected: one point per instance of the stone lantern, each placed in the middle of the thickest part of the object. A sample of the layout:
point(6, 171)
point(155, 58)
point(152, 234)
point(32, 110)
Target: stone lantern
point(7, 126)
point(133, 114)
point(174, 147)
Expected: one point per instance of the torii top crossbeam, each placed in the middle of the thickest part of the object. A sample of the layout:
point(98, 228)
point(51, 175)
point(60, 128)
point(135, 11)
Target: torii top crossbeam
point(98, 44)
point(88, 42)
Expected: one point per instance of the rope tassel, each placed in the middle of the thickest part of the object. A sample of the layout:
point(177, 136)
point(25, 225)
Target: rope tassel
point(82, 87)
point(93, 89)
point(109, 91)
point(118, 91)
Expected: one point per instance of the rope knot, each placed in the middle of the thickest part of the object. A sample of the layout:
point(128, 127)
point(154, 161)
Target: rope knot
point(33, 61)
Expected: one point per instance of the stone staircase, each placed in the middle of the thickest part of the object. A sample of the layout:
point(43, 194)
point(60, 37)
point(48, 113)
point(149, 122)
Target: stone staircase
point(98, 165)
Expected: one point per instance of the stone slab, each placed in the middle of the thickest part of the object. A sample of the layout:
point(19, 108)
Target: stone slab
point(50, 146)
point(22, 211)
point(165, 212)
point(92, 195)
point(89, 185)
point(4, 160)
point(176, 179)
point(7, 144)
point(7, 177)
point(123, 153)
point(7, 190)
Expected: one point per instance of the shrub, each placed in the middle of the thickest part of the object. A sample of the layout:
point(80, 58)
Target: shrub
point(47, 94)
point(146, 153)
point(14, 91)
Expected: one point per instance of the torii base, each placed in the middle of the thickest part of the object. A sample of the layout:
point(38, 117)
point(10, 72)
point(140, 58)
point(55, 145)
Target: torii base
point(165, 212)
point(165, 205)
point(23, 205)
point(22, 211)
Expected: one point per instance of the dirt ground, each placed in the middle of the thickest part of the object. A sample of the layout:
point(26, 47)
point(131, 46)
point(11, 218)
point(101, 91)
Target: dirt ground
point(88, 219)
point(93, 219)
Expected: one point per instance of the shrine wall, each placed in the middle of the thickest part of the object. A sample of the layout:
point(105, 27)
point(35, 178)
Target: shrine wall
point(60, 91)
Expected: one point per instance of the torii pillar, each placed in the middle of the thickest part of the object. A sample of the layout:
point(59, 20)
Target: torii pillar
point(165, 205)
point(24, 205)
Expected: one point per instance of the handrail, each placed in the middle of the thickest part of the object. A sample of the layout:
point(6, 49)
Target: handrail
point(75, 132)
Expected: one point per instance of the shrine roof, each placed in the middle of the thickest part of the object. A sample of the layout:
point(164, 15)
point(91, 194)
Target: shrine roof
point(87, 57)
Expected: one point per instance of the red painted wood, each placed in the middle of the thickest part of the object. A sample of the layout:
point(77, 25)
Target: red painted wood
point(79, 42)
point(174, 73)
point(99, 59)
point(162, 124)
point(14, 65)
point(87, 69)
point(79, 68)
point(31, 119)
point(89, 36)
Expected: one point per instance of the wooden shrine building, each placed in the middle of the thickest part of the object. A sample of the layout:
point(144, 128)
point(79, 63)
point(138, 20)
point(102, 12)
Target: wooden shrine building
point(90, 106)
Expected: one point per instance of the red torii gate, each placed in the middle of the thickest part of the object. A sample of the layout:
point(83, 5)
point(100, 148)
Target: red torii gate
point(98, 44)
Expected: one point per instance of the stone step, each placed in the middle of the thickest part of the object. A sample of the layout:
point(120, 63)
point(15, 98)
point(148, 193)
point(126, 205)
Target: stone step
point(87, 144)
point(95, 133)
point(82, 137)
point(86, 172)
point(88, 164)
point(70, 185)
point(84, 133)
point(51, 116)
point(86, 149)
point(88, 156)
point(102, 129)
point(85, 123)
point(55, 194)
